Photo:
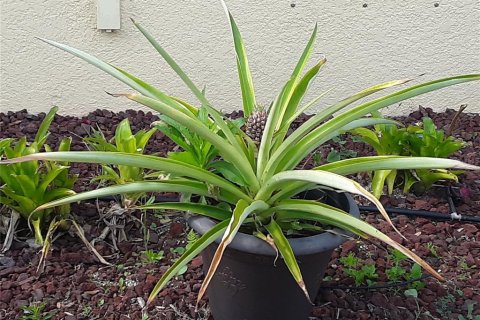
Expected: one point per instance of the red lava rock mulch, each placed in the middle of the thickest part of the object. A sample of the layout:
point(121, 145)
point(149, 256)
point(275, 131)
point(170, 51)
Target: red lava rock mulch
point(75, 286)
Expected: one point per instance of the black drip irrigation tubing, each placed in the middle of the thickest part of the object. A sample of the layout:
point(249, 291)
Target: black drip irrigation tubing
point(424, 214)
point(453, 216)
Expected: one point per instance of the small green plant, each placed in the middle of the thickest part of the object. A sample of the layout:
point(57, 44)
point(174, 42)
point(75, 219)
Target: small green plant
point(150, 256)
point(397, 272)
point(177, 250)
point(464, 269)
point(125, 142)
point(121, 284)
point(445, 304)
point(192, 237)
point(360, 272)
point(414, 274)
point(342, 153)
point(463, 265)
point(469, 315)
point(317, 158)
point(35, 312)
point(433, 249)
point(425, 140)
point(420, 140)
point(86, 311)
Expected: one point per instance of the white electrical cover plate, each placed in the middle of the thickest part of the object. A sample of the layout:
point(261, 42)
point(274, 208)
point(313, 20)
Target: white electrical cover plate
point(108, 15)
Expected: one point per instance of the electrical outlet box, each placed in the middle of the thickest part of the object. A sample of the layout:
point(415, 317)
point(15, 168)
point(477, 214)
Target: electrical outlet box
point(108, 15)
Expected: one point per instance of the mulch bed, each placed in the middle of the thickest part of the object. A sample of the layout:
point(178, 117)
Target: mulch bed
point(75, 286)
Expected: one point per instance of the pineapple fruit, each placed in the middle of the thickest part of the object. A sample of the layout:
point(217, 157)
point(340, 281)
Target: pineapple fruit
point(256, 124)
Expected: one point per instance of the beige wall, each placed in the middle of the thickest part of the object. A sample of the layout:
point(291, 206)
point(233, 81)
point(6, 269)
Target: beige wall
point(364, 45)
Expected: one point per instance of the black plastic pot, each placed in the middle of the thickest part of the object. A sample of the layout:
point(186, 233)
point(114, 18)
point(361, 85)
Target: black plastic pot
point(247, 284)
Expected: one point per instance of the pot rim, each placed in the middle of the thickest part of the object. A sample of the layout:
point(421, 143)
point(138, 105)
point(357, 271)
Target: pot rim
point(301, 246)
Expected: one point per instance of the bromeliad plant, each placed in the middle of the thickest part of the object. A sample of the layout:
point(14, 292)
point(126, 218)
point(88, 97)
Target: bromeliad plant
point(264, 198)
point(425, 140)
point(420, 140)
point(126, 142)
point(195, 150)
point(27, 185)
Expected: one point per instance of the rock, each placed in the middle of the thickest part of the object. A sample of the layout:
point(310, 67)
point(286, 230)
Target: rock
point(51, 288)
point(397, 301)
point(421, 204)
point(410, 304)
point(20, 303)
point(88, 286)
point(379, 300)
point(7, 262)
point(429, 228)
point(348, 246)
point(196, 262)
point(6, 295)
point(363, 315)
point(139, 290)
point(38, 294)
point(196, 287)
point(469, 229)
point(154, 238)
point(468, 293)
point(22, 277)
point(125, 247)
point(176, 229)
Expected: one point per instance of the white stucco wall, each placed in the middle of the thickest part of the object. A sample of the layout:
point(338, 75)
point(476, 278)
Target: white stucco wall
point(364, 45)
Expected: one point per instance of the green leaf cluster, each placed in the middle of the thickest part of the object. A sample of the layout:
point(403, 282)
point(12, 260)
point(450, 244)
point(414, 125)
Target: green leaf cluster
point(126, 142)
point(195, 149)
point(150, 256)
point(255, 184)
point(35, 311)
point(27, 185)
point(361, 272)
point(419, 140)
point(343, 153)
point(397, 272)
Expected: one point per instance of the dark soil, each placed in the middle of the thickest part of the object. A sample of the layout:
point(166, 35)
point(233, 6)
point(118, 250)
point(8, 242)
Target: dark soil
point(75, 285)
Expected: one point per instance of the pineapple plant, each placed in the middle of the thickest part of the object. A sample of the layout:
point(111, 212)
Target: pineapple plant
point(258, 183)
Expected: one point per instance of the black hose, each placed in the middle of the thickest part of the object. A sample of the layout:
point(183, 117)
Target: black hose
point(423, 214)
